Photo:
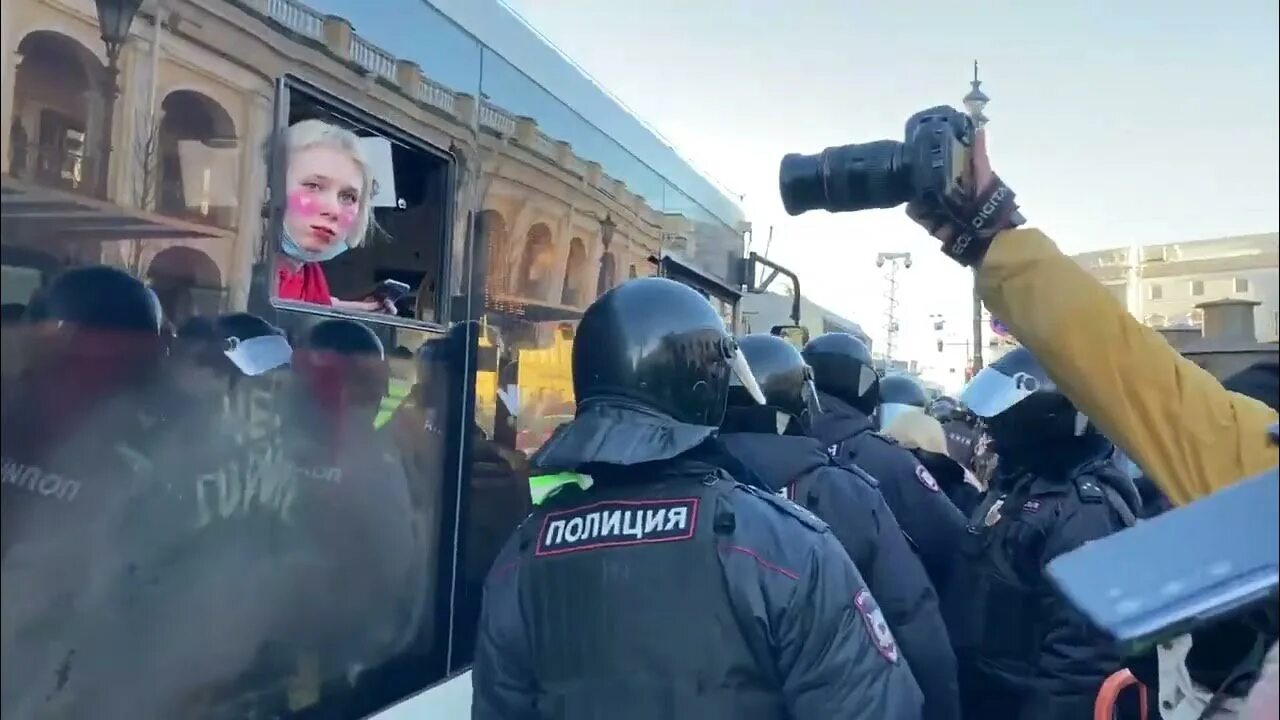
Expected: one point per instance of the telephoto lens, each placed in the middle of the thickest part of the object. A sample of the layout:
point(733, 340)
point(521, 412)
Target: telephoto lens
point(845, 178)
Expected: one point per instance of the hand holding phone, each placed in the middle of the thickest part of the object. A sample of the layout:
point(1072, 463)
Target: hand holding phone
point(390, 290)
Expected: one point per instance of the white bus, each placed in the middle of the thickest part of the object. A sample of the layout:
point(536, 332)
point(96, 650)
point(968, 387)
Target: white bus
point(505, 190)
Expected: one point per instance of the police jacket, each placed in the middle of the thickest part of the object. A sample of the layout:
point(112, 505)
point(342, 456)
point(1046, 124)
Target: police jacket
point(934, 525)
point(849, 501)
point(1036, 655)
point(961, 438)
point(957, 483)
point(1176, 420)
point(668, 590)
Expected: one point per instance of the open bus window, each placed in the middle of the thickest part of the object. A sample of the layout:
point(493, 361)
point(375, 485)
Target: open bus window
point(361, 222)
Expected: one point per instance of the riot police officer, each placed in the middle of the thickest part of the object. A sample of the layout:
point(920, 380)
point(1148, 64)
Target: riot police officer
point(79, 428)
point(898, 393)
point(771, 443)
point(667, 588)
point(849, 390)
point(1054, 489)
point(91, 358)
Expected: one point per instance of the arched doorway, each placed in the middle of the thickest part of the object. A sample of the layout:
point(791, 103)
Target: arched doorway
point(56, 101)
point(572, 294)
point(497, 246)
point(608, 274)
point(196, 161)
point(535, 263)
point(188, 283)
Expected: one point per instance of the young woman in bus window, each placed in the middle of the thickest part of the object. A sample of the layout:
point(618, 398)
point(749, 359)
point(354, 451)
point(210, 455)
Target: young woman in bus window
point(328, 193)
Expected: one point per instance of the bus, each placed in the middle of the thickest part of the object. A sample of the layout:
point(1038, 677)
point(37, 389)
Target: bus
point(492, 178)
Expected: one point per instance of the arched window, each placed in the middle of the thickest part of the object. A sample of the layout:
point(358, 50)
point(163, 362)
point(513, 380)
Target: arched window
point(572, 294)
point(535, 263)
point(497, 246)
point(196, 161)
point(187, 281)
point(54, 86)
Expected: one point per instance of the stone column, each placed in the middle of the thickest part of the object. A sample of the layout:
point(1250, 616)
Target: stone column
point(337, 36)
point(8, 80)
point(562, 238)
point(255, 123)
point(95, 105)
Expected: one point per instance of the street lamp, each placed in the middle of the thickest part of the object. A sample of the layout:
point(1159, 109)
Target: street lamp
point(115, 17)
point(975, 101)
point(604, 280)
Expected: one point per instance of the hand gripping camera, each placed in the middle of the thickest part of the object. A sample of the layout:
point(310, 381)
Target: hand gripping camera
point(931, 170)
point(932, 163)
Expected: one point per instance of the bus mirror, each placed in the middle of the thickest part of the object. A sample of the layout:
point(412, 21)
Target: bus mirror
point(795, 334)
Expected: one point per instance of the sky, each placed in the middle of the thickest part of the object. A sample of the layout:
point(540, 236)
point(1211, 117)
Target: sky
point(1115, 123)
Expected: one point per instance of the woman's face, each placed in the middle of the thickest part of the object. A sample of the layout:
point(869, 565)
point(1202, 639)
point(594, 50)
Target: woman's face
point(323, 197)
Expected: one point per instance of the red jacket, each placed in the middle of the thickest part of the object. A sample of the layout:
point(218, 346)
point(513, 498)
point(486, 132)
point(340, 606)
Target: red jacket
point(306, 284)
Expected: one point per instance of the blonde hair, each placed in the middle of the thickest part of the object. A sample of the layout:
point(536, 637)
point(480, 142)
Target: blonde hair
point(307, 134)
point(915, 429)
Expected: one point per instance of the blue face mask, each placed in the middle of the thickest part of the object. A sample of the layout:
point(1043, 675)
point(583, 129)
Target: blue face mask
point(290, 247)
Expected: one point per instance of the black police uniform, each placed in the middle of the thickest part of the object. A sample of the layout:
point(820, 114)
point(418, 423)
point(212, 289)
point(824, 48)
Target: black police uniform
point(848, 391)
point(668, 589)
point(1026, 653)
point(952, 478)
point(77, 438)
point(768, 449)
point(962, 439)
point(850, 501)
point(933, 523)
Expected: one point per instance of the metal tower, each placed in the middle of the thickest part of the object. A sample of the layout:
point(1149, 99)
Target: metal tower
point(894, 262)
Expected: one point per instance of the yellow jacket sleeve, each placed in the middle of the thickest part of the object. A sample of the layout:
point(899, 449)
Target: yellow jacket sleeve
point(1173, 418)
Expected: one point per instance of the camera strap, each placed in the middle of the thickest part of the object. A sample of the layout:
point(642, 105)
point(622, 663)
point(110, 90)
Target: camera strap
point(975, 225)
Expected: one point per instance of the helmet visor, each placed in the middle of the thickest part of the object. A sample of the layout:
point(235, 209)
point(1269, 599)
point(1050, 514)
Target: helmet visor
point(889, 412)
point(742, 371)
point(258, 355)
point(810, 396)
point(991, 392)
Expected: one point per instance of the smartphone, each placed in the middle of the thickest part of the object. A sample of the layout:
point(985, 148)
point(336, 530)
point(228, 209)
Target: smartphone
point(1192, 565)
point(392, 290)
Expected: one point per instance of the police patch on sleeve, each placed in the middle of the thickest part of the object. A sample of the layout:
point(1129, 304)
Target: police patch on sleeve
point(922, 474)
point(617, 523)
point(876, 625)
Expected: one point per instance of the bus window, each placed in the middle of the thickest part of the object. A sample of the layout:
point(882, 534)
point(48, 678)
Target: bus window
point(362, 220)
point(210, 508)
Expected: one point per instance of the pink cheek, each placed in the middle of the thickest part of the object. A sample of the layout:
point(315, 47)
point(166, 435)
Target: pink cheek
point(302, 203)
point(347, 218)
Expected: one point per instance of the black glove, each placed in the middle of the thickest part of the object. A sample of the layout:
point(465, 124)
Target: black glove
point(967, 229)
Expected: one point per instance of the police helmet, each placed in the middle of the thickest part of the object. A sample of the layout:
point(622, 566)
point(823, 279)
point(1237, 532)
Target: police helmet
point(343, 361)
point(345, 337)
point(944, 408)
point(1018, 401)
point(898, 393)
point(97, 297)
point(842, 367)
point(784, 378)
point(658, 343)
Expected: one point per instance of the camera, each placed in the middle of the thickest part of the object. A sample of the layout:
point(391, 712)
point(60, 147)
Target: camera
point(932, 162)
